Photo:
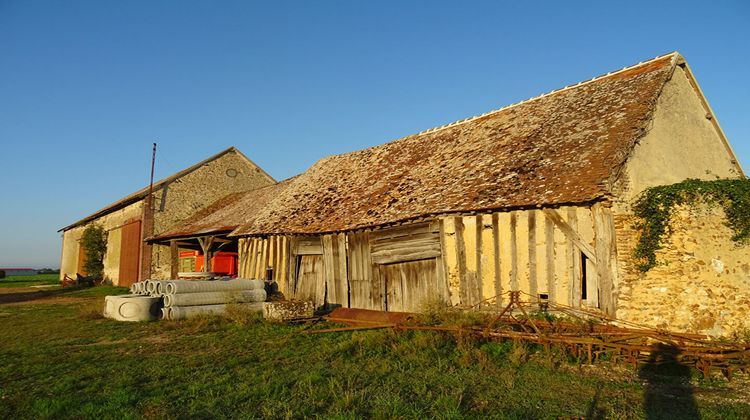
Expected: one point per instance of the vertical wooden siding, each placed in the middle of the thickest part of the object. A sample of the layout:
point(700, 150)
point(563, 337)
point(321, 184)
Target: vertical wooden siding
point(469, 260)
point(258, 254)
point(534, 251)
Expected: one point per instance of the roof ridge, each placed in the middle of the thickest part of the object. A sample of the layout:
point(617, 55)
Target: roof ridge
point(543, 95)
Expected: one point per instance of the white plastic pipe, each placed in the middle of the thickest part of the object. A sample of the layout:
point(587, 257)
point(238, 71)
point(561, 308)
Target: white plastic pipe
point(212, 298)
point(185, 312)
point(213, 286)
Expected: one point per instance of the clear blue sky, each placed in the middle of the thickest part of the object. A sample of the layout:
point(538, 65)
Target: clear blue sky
point(87, 86)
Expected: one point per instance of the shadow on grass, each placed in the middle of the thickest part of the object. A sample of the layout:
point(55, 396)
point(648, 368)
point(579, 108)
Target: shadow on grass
point(35, 294)
point(668, 393)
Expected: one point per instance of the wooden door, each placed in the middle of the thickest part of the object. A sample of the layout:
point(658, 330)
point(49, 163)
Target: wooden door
point(410, 284)
point(310, 284)
point(81, 260)
point(130, 252)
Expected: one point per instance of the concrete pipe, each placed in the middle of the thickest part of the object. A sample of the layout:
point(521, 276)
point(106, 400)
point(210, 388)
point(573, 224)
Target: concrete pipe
point(109, 305)
point(211, 298)
point(186, 312)
point(164, 313)
point(132, 308)
point(213, 286)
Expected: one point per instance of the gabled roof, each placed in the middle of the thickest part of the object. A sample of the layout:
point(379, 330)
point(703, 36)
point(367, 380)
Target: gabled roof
point(142, 193)
point(564, 147)
point(225, 214)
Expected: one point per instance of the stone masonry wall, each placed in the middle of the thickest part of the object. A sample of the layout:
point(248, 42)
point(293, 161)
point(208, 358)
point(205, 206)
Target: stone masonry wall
point(180, 199)
point(112, 223)
point(702, 283)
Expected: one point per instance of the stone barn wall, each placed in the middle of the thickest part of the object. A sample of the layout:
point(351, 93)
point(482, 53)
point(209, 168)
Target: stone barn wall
point(112, 223)
point(702, 282)
point(178, 200)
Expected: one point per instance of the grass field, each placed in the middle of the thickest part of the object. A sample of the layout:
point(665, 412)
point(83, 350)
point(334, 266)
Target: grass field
point(26, 281)
point(60, 359)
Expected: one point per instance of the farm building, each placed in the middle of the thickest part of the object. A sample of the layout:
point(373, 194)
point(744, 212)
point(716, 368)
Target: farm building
point(534, 197)
point(207, 231)
point(130, 220)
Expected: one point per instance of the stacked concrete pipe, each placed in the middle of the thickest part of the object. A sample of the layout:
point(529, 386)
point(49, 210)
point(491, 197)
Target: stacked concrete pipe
point(180, 299)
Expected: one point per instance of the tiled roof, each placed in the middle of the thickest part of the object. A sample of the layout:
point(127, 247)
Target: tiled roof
point(143, 192)
point(225, 214)
point(564, 147)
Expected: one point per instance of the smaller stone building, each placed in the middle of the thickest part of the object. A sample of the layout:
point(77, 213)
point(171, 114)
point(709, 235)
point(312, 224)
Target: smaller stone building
point(129, 220)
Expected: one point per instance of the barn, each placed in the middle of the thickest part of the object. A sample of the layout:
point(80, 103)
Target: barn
point(129, 220)
point(536, 197)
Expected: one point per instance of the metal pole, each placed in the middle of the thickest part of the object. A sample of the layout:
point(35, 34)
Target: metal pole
point(151, 183)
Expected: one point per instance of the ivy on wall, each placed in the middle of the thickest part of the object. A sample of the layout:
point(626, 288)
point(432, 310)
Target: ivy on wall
point(654, 208)
point(94, 243)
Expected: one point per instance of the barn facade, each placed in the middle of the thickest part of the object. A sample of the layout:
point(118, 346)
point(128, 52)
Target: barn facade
point(535, 197)
point(129, 220)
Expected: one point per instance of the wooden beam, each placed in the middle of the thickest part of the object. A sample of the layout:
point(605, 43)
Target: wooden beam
point(574, 262)
point(174, 260)
point(549, 242)
point(478, 229)
point(461, 259)
point(513, 252)
point(444, 263)
point(533, 283)
point(496, 259)
point(571, 234)
point(606, 252)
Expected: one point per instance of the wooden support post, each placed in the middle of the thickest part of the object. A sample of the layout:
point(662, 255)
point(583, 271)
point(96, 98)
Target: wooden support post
point(174, 259)
point(571, 234)
point(574, 262)
point(444, 262)
point(476, 292)
point(513, 252)
point(606, 253)
point(205, 243)
point(461, 259)
point(533, 283)
point(549, 241)
point(496, 259)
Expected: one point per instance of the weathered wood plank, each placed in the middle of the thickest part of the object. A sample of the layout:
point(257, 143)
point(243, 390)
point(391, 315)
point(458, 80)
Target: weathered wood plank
point(533, 282)
point(574, 260)
point(461, 259)
point(443, 264)
point(174, 259)
point(497, 259)
point(586, 231)
point(477, 295)
point(606, 253)
point(390, 258)
point(513, 251)
point(408, 230)
point(549, 243)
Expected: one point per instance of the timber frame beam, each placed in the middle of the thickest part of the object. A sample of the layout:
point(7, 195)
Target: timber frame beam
point(557, 219)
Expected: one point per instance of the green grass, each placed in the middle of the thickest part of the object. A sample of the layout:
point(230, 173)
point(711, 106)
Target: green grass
point(26, 281)
point(61, 360)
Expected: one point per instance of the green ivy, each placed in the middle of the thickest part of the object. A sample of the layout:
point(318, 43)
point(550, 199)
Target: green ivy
point(94, 243)
point(655, 206)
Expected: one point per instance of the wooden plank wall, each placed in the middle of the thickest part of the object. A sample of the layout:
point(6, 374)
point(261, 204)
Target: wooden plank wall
point(366, 288)
point(534, 251)
point(257, 254)
point(478, 258)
